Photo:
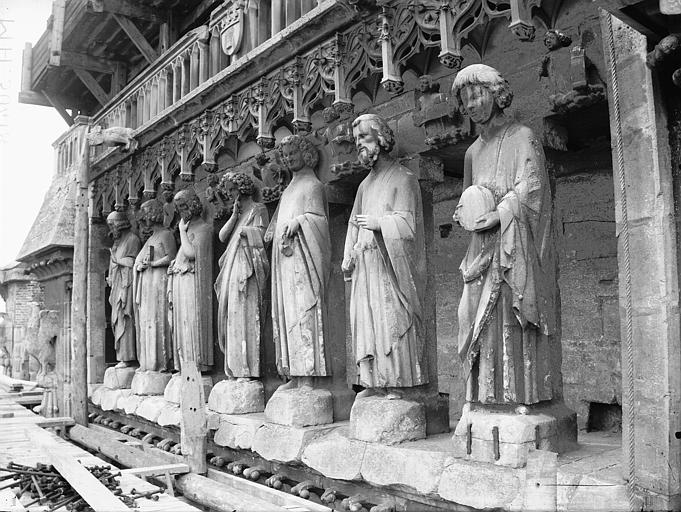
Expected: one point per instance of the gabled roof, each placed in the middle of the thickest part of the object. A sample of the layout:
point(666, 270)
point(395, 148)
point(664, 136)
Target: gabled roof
point(53, 227)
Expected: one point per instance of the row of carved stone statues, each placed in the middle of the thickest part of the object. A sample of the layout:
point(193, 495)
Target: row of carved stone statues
point(160, 294)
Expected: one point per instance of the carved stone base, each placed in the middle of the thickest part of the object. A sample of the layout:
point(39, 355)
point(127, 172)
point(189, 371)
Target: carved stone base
point(118, 378)
point(150, 408)
point(237, 397)
point(551, 427)
point(149, 383)
point(300, 407)
point(170, 415)
point(110, 398)
point(128, 404)
point(173, 390)
point(282, 443)
point(238, 431)
point(377, 419)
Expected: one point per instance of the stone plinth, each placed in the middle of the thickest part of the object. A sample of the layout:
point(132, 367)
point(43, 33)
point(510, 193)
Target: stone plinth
point(110, 398)
point(300, 407)
point(118, 378)
point(173, 390)
point(149, 383)
point(336, 455)
point(237, 397)
point(238, 430)
point(96, 396)
point(284, 443)
point(150, 407)
point(170, 415)
point(551, 427)
point(377, 419)
point(129, 404)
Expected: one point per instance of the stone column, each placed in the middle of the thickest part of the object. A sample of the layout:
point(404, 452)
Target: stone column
point(194, 67)
point(215, 50)
point(277, 11)
point(648, 272)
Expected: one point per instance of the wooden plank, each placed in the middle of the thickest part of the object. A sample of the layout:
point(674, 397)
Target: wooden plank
point(60, 421)
point(90, 489)
point(57, 33)
point(128, 9)
point(54, 101)
point(86, 61)
point(172, 469)
point(93, 86)
point(136, 37)
point(193, 420)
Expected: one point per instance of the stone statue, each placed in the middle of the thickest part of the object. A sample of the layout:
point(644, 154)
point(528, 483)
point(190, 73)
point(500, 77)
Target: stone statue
point(125, 248)
point(154, 344)
point(241, 283)
point(384, 255)
point(301, 262)
point(190, 285)
point(507, 313)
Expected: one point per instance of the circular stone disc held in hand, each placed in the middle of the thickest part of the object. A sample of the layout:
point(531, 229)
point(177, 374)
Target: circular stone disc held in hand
point(475, 202)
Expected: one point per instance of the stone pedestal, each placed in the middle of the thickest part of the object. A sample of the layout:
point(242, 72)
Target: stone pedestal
point(150, 407)
point(238, 431)
point(170, 415)
point(149, 383)
point(173, 390)
point(110, 398)
point(300, 407)
point(237, 397)
point(118, 378)
point(504, 437)
point(377, 419)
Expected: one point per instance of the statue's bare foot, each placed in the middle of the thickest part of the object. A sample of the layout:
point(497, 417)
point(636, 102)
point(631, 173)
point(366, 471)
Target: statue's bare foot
point(289, 385)
point(122, 364)
point(367, 393)
point(394, 394)
point(305, 383)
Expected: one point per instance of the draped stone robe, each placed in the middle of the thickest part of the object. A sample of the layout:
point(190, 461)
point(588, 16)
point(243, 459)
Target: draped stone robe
point(121, 297)
point(388, 280)
point(154, 343)
point(240, 288)
point(507, 313)
point(299, 280)
point(190, 288)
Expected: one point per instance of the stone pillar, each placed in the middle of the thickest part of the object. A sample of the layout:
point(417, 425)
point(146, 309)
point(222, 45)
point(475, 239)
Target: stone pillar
point(194, 67)
point(185, 75)
point(648, 272)
point(98, 259)
point(215, 51)
point(277, 11)
point(177, 80)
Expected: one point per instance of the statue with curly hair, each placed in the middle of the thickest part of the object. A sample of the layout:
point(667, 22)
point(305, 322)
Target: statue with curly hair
point(507, 315)
point(301, 262)
point(154, 344)
point(384, 258)
point(125, 248)
point(242, 281)
point(190, 285)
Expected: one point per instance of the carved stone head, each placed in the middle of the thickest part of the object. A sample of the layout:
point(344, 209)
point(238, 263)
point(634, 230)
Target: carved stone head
point(188, 204)
point(235, 184)
point(151, 213)
point(426, 84)
point(554, 40)
point(296, 152)
point(372, 136)
point(118, 223)
point(330, 114)
point(481, 92)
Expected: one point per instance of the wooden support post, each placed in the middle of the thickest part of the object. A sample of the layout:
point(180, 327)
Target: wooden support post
point(79, 294)
point(57, 33)
point(54, 101)
point(92, 85)
point(26, 68)
point(119, 78)
point(137, 38)
point(193, 424)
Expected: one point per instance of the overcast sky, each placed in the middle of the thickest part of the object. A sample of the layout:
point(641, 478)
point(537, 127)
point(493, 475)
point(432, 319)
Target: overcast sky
point(26, 131)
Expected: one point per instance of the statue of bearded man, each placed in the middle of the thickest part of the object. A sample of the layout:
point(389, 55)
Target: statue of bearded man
point(385, 258)
point(125, 247)
point(190, 285)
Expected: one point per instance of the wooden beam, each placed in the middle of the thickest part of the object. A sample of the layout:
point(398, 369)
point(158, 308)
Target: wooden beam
point(172, 469)
point(205, 7)
point(60, 421)
point(57, 33)
point(119, 78)
point(193, 420)
point(92, 84)
point(54, 101)
point(90, 62)
point(83, 482)
point(136, 37)
point(129, 9)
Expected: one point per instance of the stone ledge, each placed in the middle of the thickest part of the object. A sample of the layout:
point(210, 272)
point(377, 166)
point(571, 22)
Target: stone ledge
point(129, 404)
point(150, 407)
point(283, 443)
point(170, 415)
point(238, 430)
point(110, 398)
point(149, 383)
point(336, 455)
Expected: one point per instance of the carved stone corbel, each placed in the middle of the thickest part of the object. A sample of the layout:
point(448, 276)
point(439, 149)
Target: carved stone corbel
point(258, 105)
point(450, 52)
point(120, 186)
point(208, 125)
point(292, 75)
point(148, 163)
point(521, 19)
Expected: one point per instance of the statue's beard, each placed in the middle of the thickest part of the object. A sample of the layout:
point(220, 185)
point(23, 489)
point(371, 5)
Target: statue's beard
point(116, 235)
point(367, 156)
point(187, 216)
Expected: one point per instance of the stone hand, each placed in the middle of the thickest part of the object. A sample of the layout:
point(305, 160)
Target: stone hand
point(268, 237)
point(369, 222)
point(292, 228)
point(242, 232)
point(487, 221)
point(348, 264)
point(183, 225)
point(236, 207)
